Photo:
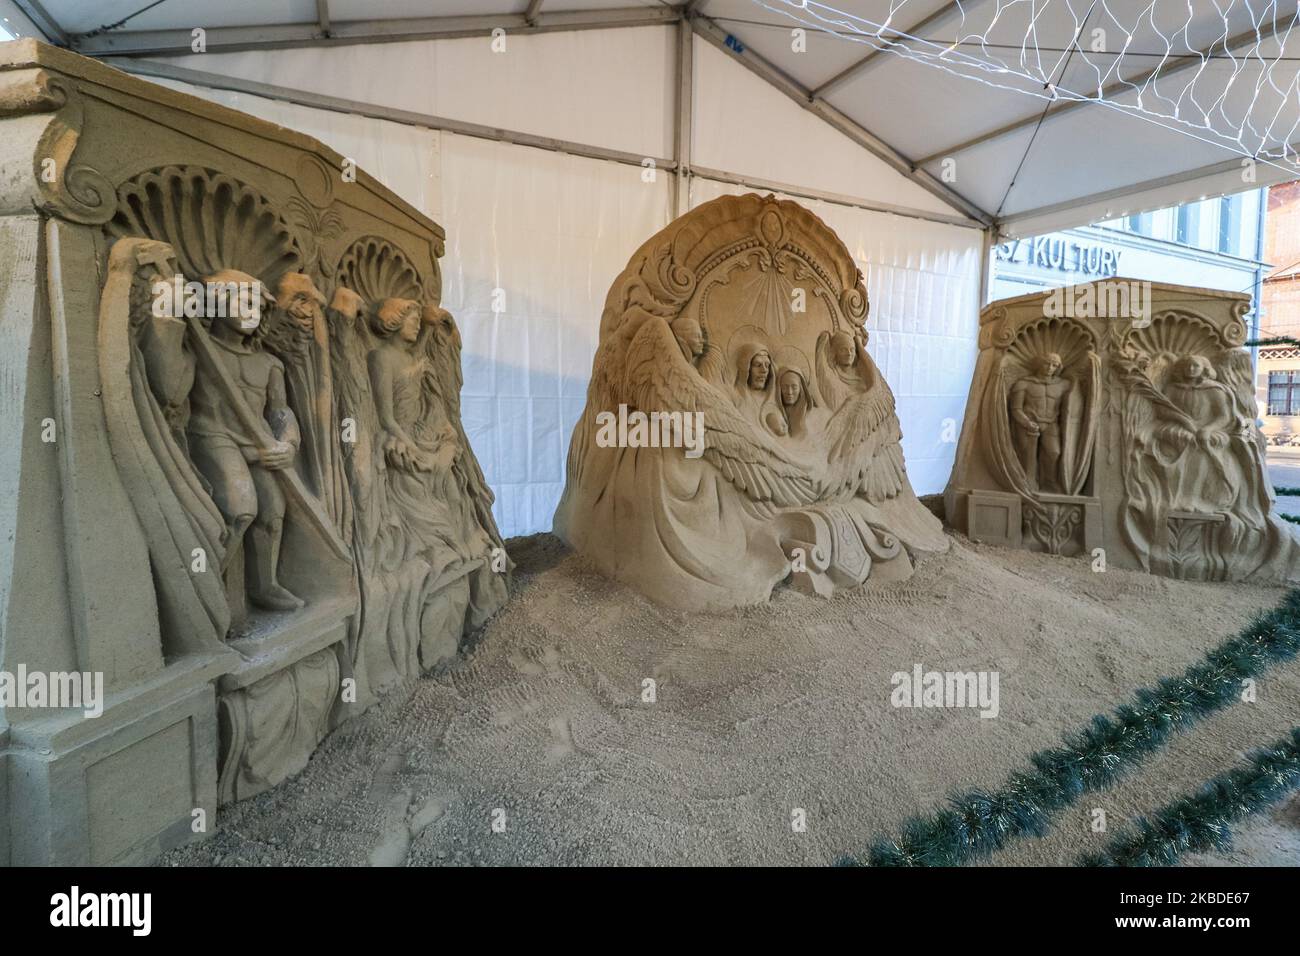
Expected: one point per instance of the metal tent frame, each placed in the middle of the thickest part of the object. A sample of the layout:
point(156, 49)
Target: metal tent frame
point(127, 48)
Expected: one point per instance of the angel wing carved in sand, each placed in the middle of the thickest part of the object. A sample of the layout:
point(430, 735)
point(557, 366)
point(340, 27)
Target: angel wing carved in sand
point(658, 377)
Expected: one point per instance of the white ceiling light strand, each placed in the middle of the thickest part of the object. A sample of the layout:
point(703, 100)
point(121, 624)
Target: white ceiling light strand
point(1178, 92)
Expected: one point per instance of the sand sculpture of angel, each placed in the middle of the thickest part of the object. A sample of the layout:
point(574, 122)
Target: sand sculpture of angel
point(466, 489)
point(706, 358)
point(297, 333)
point(862, 438)
point(738, 439)
point(843, 367)
point(418, 452)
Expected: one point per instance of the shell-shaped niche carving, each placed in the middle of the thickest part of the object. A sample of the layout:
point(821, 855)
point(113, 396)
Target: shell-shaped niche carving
point(1170, 336)
point(212, 220)
point(376, 269)
point(1176, 333)
point(1070, 340)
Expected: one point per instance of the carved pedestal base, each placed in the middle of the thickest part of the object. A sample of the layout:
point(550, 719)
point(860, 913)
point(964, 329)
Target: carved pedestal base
point(1063, 524)
point(834, 548)
point(118, 789)
point(992, 517)
point(1056, 524)
point(281, 702)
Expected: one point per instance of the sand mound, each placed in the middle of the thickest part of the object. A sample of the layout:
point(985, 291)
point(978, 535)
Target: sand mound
point(758, 713)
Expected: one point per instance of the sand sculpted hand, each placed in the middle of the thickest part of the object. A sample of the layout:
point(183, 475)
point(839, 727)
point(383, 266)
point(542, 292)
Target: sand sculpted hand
point(1212, 439)
point(400, 453)
point(277, 457)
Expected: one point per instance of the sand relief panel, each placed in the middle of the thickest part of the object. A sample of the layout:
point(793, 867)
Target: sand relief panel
point(288, 429)
point(1124, 431)
point(242, 497)
point(745, 316)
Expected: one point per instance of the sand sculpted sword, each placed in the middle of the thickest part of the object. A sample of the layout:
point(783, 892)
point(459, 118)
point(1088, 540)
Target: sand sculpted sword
point(290, 481)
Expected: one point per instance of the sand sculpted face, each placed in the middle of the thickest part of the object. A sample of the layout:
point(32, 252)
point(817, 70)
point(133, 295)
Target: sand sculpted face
point(410, 326)
point(791, 387)
point(801, 476)
point(1193, 369)
point(843, 349)
point(238, 299)
point(690, 337)
point(300, 299)
point(398, 317)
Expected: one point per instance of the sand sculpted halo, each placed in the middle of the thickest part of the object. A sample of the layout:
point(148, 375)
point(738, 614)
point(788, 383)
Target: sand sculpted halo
point(747, 316)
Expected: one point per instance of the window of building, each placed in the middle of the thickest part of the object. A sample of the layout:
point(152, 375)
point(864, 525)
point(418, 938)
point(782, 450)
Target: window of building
point(1230, 224)
point(1284, 393)
point(1187, 224)
point(1140, 223)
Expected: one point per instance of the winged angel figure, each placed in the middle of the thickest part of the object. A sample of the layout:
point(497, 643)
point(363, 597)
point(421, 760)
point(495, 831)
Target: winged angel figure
point(865, 451)
point(658, 378)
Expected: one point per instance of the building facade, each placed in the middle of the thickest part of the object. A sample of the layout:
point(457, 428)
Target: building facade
point(1214, 244)
point(1278, 371)
point(1225, 243)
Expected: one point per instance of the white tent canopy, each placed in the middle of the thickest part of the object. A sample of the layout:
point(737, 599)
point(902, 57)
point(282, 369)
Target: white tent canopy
point(551, 155)
point(1020, 158)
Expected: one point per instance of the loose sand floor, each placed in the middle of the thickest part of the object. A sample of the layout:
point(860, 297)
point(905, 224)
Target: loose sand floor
point(758, 714)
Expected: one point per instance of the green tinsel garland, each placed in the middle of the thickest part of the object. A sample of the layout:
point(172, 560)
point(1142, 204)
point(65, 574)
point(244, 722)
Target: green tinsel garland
point(1202, 821)
point(976, 822)
point(1287, 492)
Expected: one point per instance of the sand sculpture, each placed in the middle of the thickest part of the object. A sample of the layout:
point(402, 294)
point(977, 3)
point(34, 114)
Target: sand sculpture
point(1116, 420)
point(239, 488)
point(737, 432)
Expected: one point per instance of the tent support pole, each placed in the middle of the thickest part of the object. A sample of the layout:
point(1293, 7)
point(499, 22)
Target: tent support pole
point(987, 245)
point(685, 116)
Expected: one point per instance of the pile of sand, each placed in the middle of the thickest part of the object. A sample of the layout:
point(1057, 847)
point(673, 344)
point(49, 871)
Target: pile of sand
point(542, 727)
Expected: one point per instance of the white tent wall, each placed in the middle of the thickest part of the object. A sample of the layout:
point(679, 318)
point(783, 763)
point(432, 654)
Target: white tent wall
point(404, 158)
point(535, 237)
point(612, 88)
